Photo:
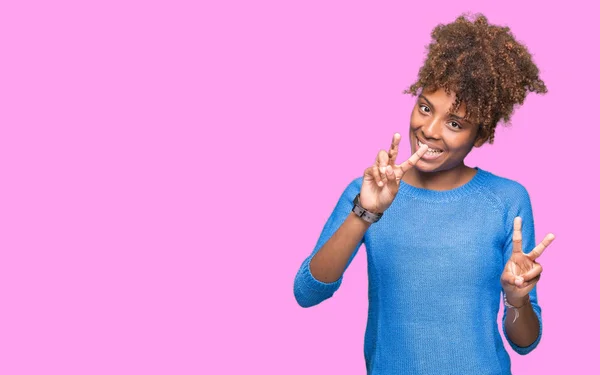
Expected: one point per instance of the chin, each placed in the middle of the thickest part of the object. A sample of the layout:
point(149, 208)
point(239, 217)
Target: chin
point(424, 166)
point(442, 164)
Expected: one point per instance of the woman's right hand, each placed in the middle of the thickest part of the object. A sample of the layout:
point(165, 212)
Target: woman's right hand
point(381, 181)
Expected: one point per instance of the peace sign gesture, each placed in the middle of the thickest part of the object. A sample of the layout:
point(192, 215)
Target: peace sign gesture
point(381, 181)
point(522, 272)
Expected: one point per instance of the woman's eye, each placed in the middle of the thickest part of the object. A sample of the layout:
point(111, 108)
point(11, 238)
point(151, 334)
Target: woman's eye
point(452, 123)
point(426, 109)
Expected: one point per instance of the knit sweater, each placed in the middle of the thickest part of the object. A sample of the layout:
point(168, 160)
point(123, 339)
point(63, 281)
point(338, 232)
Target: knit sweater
point(434, 263)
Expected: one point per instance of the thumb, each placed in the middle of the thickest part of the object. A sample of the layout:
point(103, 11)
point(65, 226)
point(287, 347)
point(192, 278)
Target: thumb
point(512, 279)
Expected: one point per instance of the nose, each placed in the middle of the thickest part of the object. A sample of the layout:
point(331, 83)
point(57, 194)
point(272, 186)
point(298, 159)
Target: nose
point(432, 129)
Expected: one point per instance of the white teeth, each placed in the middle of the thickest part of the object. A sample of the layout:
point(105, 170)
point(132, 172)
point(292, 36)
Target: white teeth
point(430, 150)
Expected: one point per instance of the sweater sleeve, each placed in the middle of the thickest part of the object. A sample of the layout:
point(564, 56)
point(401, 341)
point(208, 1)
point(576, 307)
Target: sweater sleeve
point(520, 205)
point(308, 290)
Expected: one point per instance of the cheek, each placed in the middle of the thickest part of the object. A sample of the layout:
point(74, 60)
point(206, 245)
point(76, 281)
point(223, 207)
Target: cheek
point(459, 144)
point(414, 120)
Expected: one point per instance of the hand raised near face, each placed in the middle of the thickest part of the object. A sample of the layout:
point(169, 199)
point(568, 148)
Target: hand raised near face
point(522, 272)
point(381, 181)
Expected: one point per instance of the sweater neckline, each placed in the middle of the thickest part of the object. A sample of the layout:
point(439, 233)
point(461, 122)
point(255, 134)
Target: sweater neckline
point(467, 188)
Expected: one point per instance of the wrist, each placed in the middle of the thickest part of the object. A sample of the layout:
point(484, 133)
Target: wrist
point(372, 210)
point(363, 213)
point(518, 301)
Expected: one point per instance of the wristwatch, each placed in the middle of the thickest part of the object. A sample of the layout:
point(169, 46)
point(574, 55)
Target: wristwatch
point(369, 217)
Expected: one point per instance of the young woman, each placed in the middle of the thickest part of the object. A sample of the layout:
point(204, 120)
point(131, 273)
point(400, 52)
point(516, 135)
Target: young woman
point(445, 241)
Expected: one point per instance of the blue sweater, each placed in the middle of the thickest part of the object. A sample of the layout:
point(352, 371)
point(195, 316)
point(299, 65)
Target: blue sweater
point(434, 264)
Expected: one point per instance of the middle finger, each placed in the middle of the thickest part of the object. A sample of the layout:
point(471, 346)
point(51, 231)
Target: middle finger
point(393, 153)
point(382, 163)
point(382, 159)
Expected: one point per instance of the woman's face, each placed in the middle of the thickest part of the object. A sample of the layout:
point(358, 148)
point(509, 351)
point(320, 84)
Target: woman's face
point(449, 134)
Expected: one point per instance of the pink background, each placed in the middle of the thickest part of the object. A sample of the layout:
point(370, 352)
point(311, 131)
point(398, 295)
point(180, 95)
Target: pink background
point(166, 167)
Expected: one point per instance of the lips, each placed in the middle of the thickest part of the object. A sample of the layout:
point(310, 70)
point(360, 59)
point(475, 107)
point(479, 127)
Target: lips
point(431, 147)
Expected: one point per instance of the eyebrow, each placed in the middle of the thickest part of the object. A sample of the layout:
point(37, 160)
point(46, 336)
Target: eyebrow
point(452, 115)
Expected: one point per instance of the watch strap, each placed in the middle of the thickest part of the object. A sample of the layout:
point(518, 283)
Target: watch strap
point(370, 217)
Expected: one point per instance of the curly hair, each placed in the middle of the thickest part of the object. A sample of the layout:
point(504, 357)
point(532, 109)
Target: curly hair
point(484, 65)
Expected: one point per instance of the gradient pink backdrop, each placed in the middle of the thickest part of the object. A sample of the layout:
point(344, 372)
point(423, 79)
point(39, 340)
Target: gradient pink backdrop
point(166, 166)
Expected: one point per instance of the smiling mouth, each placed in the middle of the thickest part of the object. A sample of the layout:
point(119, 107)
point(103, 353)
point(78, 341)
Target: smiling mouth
point(430, 151)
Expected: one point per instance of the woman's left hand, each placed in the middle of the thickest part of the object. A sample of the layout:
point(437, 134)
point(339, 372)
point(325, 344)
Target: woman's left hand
point(522, 272)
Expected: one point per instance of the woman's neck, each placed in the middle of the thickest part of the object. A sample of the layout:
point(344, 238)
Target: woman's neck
point(441, 180)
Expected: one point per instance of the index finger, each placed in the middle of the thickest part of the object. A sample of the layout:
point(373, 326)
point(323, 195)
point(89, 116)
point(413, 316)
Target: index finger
point(393, 153)
point(401, 169)
point(539, 249)
point(517, 236)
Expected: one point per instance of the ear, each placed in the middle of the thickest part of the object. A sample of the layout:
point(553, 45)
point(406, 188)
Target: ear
point(479, 142)
point(480, 138)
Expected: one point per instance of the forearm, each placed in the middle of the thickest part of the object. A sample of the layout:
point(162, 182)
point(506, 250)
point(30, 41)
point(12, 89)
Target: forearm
point(328, 264)
point(525, 330)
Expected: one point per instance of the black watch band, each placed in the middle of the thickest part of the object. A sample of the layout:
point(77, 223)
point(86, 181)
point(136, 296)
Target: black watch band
point(369, 217)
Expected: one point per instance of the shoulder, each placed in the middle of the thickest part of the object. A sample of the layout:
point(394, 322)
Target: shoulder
point(349, 190)
point(506, 191)
point(504, 186)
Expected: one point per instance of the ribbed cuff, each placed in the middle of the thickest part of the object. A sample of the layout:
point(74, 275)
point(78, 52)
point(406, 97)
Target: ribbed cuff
point(317, 285)
point(310, 291)
point(519, 349)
